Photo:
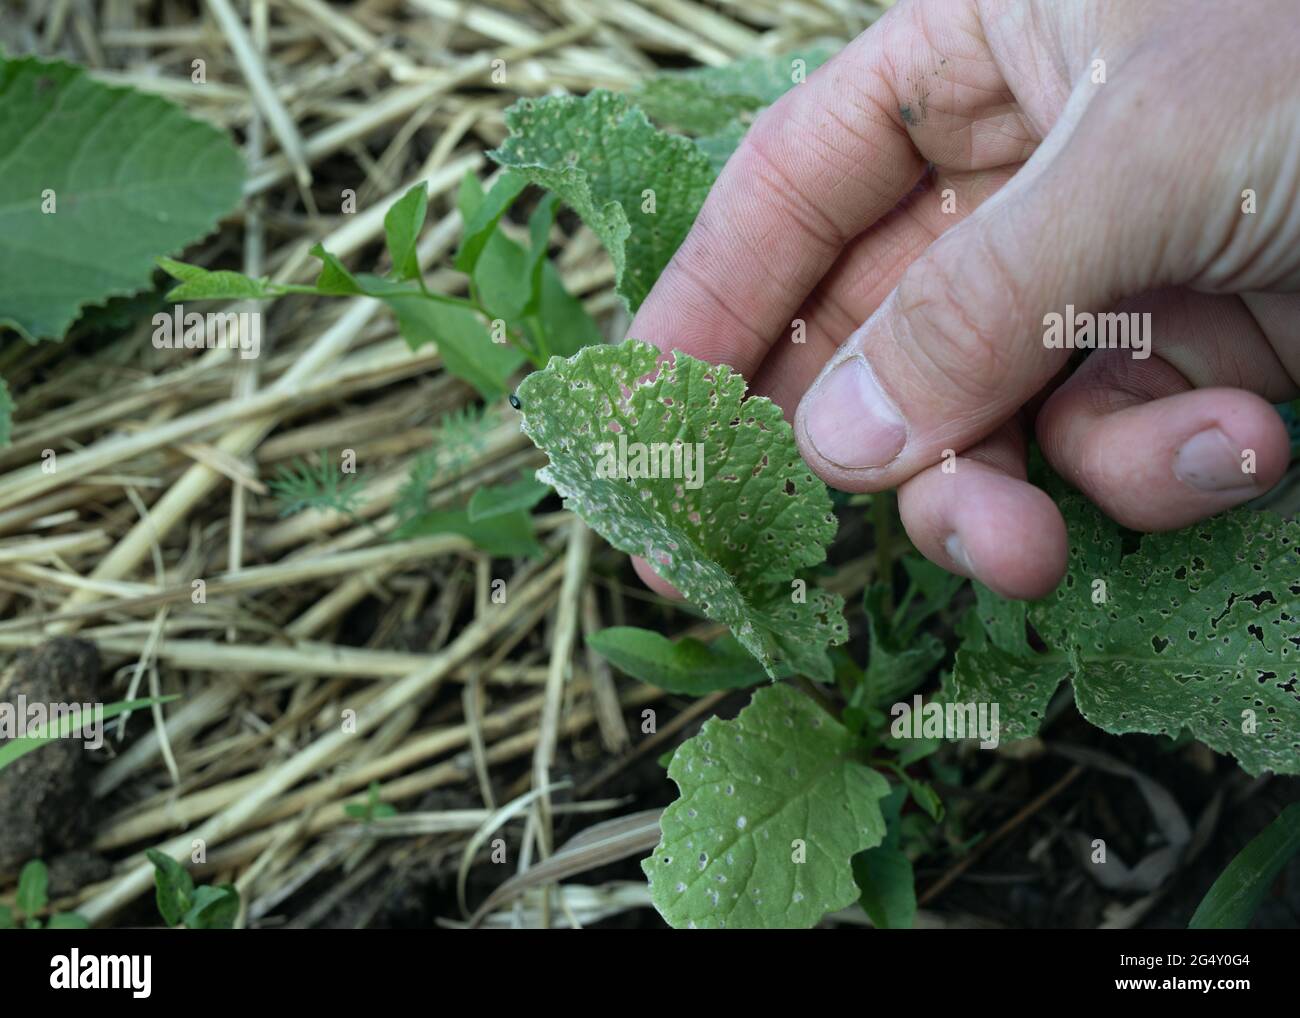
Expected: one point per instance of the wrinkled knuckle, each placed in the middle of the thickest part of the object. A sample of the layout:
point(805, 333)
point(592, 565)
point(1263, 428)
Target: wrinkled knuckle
point(956, 324)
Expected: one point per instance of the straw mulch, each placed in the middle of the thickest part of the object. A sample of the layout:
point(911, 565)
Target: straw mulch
point(478, 720)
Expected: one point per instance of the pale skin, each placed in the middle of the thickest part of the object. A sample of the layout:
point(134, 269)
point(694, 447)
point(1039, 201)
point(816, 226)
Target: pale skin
point(925, 327)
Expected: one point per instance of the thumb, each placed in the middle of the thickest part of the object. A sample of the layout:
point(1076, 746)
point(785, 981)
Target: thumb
point(967, 337)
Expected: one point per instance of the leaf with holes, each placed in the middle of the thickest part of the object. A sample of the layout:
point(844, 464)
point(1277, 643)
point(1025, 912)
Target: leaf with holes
point(773, 807)
point(997, 665)
point(1197, 629)
point(636, 187)
point(98, 182)
point(705, 485)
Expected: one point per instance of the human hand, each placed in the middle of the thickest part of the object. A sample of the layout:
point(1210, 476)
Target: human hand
point(965, 169)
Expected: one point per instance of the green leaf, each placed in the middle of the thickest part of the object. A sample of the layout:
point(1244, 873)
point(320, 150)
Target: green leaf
point(402, 225)
point(565, 322)
point(601, 155)
point(334, 280)
point(175, 887)
point(719, 147)
point(1198, 629)
point(888, 885)
point(33, 888)
point(482, 223)
point(6, 414)
point(13, 749)
point(130, 175)
point(508, 535)
point(497, 500)
point(202, 284)
point(68, 921)
point(539, 232)
point(1231, 902)
point(996, 664)
point(7, 918)
point(679, 666)
point(895, 668)
point(706, 100)
point(742, 515)
point(463, 340)
point(212, 908)
point(322, 485)
point(498, 272)
point(773, 807)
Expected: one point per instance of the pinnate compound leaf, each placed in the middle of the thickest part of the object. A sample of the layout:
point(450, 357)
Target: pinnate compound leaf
point(686, 666)
point(780, 783)
point(742, 514)
point(130, 177)
point(1199, 629)
point(601, 155)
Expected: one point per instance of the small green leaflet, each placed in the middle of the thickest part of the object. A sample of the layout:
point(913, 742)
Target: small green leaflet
point(462, 337)
point(203, 284)
point(685, 666)
point(180, 903)
point(33, 888)
point(742, 514)
point(482, 223)
point(602, 157)
point(99, 181)
point(506, 498)
point(508, 535)
point(773, 807)
point(1199, 629)
point(402, 225)
point(884, 873)
point(1232, 901)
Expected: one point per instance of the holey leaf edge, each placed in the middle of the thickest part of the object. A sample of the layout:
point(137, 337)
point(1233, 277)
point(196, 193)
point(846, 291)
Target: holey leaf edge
point(732, 542)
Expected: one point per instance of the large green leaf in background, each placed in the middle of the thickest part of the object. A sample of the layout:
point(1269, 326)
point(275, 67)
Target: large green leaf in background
point(133, 177)
point(773, 807)
point(708, 100)
point(601, 155)
point(730, 539)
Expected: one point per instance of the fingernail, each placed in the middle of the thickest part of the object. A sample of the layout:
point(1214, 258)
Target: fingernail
point(850, 421)
point(957, 552)
point(1208, 461)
